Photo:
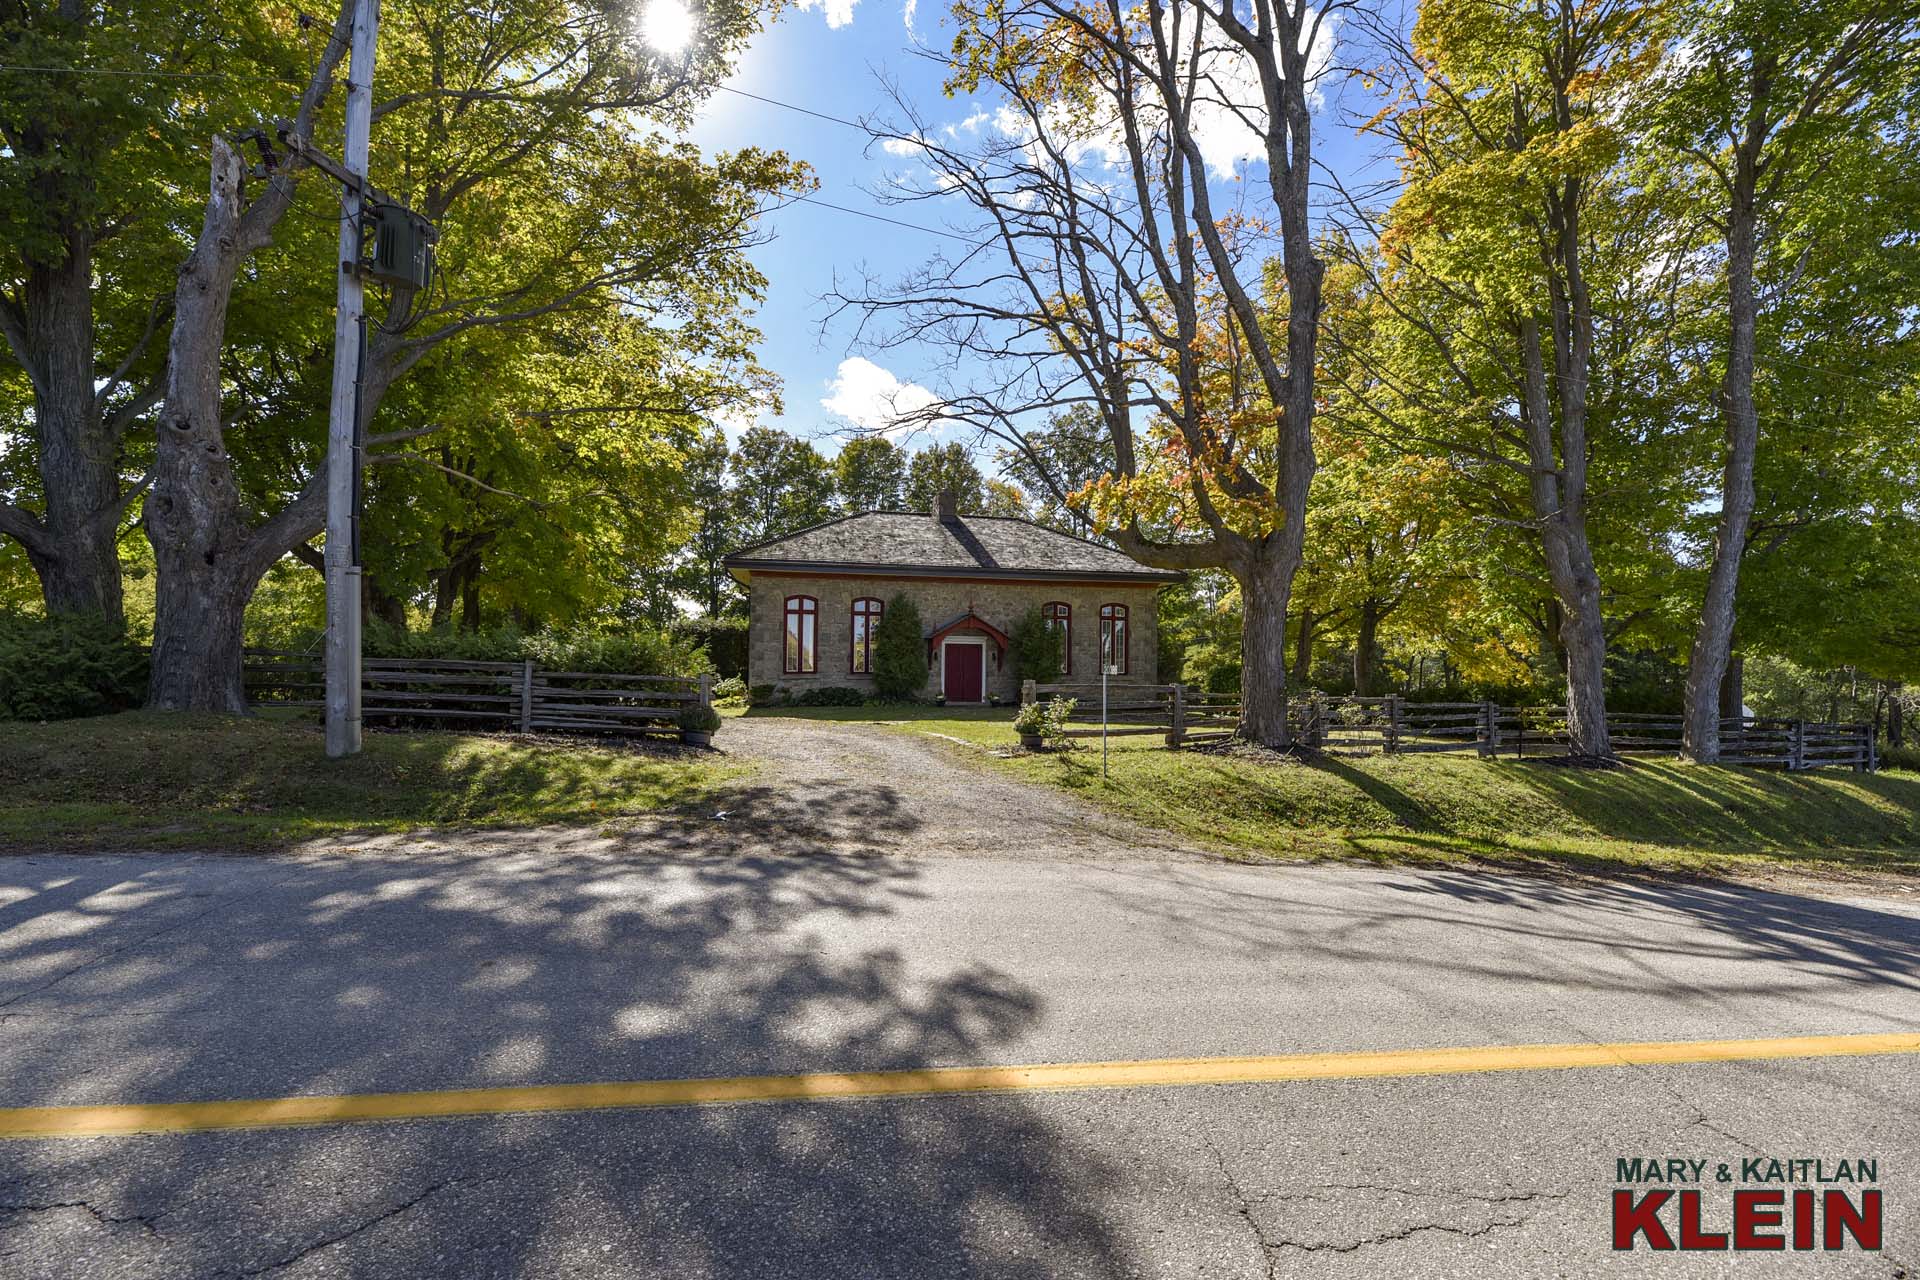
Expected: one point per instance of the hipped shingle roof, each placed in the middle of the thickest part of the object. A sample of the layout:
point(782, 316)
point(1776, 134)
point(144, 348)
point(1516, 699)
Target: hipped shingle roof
point(914, 544)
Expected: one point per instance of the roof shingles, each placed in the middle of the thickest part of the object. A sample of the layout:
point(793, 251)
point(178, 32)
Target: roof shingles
point(897, 541)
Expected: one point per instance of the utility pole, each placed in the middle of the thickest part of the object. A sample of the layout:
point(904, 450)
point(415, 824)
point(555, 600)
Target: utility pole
point(343, 416)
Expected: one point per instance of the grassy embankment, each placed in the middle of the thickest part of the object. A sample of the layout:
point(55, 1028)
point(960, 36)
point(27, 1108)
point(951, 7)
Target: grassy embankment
point(1651, 815)
point(147, 781)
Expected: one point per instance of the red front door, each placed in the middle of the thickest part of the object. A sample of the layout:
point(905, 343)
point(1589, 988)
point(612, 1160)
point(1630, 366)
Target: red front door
point(961, 676)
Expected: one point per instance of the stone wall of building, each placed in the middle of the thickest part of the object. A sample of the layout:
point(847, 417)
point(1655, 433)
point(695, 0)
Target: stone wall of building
point(997, 602)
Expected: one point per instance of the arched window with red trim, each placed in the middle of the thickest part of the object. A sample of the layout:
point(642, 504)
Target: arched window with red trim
point(866, 620)
point(1114, 635)
point(803, 630)
point(1059, 616)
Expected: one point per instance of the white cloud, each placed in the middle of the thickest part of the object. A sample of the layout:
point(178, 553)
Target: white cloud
point(838, 12)
point(1228, 114)
point(902, 146)
point(872, 397)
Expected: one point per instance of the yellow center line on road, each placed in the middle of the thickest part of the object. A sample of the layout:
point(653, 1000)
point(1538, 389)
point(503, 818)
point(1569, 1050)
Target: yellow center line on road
point(279, 1113)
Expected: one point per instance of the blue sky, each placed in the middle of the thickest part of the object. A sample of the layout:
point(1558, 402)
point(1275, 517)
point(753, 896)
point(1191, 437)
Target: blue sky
point(837, 70)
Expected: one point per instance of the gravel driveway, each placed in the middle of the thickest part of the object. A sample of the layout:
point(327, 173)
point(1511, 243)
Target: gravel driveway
point(828, 788)
point(868, 789)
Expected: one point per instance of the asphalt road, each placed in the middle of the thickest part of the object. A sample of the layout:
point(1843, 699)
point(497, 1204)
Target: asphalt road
point(179, 978)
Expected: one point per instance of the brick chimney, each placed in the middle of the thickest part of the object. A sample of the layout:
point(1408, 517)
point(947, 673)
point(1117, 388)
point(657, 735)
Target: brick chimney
point(946, 506)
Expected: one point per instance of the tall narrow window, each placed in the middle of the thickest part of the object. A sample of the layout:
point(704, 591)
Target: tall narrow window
point(803, 621)
point(866, 617)
point(1113, 637)
point(1059, 616)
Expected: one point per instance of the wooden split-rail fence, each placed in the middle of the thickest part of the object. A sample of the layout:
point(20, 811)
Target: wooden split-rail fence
point(484, 695)
point(1187, 717)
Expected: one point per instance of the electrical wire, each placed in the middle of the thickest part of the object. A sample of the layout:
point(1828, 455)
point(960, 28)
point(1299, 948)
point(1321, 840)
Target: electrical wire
point(896, 222)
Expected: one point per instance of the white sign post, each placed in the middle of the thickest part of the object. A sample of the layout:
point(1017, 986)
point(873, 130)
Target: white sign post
point(1107, 668)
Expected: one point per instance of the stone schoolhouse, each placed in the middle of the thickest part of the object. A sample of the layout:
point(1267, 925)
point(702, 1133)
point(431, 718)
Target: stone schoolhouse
point(816, 596)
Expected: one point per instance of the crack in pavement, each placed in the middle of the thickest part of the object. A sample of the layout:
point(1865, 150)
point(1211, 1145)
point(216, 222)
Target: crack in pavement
point(1408, 1233)
point(1412, 1192)
point(1270, 1247)
point(1267, 1248)
point(1660, 1078)
point(146, 1220)
point(385, 1215)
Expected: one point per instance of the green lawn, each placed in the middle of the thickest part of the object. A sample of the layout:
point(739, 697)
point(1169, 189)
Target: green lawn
point(145, 781)
point(1651, 815)
point(984, 726)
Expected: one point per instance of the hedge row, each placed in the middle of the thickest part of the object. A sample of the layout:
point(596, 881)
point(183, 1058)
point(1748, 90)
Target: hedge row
point(59, 668)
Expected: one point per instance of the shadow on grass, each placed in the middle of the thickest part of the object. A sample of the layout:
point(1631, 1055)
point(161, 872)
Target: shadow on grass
point(156, 780)
point(1406, 810)
point(1733, 808)
point(1647, 816)
point(208, 978)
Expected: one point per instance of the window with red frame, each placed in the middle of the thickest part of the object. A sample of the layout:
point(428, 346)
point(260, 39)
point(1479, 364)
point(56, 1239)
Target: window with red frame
point(1059, 616)
point(1113, 637)
point(866, 619)
point(803, 628)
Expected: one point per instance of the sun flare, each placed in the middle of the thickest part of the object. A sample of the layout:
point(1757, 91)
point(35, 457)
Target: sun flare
point(668, 26)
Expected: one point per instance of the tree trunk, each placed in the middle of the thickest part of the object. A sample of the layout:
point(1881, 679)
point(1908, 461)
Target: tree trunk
point(1713, 639)
point(207, 559)
point(74, 550)
point(1557, 489)
point(1583, 636)
point(470, 599)
point(1366, 640)
point(1896, 717)
point(1303, 647)
point(1733, 689)
point(198, 628)
point(1264, 585)
point(445, 592)
point(380, 606)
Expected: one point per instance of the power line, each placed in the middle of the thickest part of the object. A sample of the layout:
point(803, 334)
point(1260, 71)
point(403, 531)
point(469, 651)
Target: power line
point(911, 226)
point(805, 111)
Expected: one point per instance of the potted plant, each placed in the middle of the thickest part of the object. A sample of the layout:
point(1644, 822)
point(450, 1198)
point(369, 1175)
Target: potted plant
point(1041, 723)
point(1028, 722)
point(697, 724)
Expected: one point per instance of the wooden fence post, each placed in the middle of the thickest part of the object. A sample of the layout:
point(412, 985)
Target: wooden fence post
point(1027, 696)
point(1870, 754)
point(1797, 745)
point(1489, 731)
point(706, 688)
point(1393, 722)
point(526, 696)
point(1317, 720)
point(1177, 725)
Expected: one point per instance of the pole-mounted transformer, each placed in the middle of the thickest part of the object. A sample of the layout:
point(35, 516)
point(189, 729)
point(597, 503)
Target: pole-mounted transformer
point(402, 243)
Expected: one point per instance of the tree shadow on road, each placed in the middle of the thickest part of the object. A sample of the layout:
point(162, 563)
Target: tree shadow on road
point(208, 978)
